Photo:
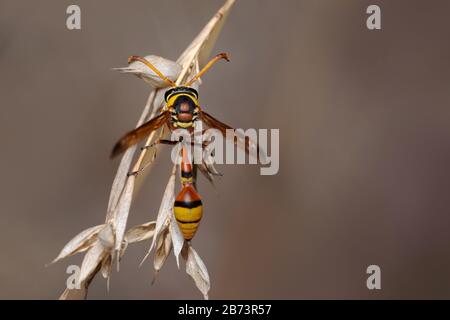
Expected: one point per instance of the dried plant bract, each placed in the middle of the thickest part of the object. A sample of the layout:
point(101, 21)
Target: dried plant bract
point(105, 244)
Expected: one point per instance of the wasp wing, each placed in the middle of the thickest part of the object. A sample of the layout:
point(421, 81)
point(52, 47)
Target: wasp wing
point(239, 139)
point(136, 135)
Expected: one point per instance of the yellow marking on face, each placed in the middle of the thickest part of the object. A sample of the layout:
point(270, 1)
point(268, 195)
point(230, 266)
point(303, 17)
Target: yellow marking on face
point(174, 97)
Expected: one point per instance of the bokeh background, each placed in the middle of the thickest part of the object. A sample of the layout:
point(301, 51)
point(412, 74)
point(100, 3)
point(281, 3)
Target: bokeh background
point(364, 146)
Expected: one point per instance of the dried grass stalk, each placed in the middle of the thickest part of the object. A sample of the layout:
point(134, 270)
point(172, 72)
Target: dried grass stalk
point(106, 243)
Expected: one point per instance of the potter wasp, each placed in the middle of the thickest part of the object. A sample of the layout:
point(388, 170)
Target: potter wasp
point(181, 111)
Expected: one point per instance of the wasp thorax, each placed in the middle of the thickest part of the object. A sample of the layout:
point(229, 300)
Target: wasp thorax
point(184, 104)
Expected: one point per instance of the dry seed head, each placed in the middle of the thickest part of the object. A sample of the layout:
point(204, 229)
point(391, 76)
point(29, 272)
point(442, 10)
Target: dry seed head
point(170, 69)
point(98, 257)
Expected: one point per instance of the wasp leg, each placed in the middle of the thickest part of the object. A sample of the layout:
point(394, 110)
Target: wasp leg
point(172, 143)
point(135, 173)
point(160, 141)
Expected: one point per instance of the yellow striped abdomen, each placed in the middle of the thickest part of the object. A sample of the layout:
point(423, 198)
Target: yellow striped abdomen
point(188, 210)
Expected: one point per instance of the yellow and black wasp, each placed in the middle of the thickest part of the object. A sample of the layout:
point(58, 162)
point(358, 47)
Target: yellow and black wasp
point(182, 110)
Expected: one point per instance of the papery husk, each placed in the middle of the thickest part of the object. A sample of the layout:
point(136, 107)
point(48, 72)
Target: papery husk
point(165, 211)
point(80, 243)
point(196, 268)
point(162, 251)
point(141, 232)
point(170, 69)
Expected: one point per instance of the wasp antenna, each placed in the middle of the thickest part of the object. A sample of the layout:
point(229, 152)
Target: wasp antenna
point(153, 68)
point(208, 65)
point(225, 56)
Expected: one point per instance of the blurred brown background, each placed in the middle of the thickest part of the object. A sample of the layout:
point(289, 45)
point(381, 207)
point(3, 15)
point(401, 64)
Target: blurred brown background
point(364, 153)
